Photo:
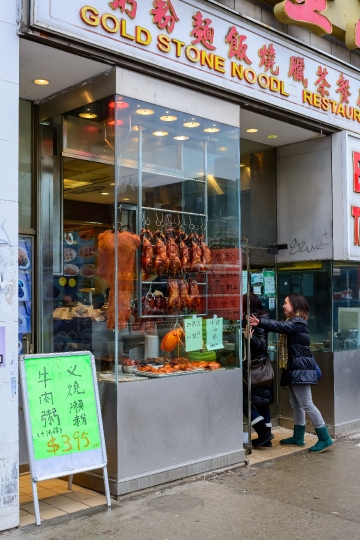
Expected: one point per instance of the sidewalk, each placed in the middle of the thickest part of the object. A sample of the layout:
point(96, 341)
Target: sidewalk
point(298, 496)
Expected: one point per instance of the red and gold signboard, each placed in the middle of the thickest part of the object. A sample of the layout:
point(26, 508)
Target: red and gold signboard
point(225, 283)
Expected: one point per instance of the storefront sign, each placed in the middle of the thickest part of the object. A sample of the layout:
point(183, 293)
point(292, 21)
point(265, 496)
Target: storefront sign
point(227, 51)
point(224, 283)
point(214, 333)
point(340, 18)
point(193, 334)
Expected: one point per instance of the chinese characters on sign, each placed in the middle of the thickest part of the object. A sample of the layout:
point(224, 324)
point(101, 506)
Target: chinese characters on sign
point(225, 283)
point(237, 45)
point(193, 334)
point(164, 15)
point(355, 210)
point(126, 6)
point(214, 333)
point(62, 405)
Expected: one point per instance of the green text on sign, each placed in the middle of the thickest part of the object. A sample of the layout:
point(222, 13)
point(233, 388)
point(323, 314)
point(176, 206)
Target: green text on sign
point(62, 405)
point(214, 333)
point(193, 334)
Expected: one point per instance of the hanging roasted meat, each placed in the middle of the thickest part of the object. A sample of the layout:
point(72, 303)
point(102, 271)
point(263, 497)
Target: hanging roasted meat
point(181, 238)
point(172, 252)
point(205, 253)
point(194, 295)
point(147, 252)
point(185, 300)
point(161, 264)
point(127, 246)
point(195, 253)
point(174, 296)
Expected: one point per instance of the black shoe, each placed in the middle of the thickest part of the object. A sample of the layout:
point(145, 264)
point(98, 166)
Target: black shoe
point(264, 434)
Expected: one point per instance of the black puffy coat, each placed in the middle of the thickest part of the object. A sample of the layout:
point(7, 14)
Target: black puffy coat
point(301, 364)
point(260, 395)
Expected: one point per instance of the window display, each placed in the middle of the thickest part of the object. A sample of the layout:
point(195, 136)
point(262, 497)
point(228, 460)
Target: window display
point(151, 265)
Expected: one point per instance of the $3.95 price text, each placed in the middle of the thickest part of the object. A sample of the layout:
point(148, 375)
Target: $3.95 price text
point(63, 443)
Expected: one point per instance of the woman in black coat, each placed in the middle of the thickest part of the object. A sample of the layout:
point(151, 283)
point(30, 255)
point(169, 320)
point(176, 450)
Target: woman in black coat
point(298, 369)
point(261, 396)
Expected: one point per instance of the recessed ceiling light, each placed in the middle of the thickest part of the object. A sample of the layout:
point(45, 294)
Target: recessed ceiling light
point(211, 130)
point(135, 139)
point(119, 104)
point(41, 82)
point(145, 112)
point(112, 184)
point(126, 199)
point(252, 130)
point(87, 115)
point(104, 193)
point(168, 118)
point(160, 133)
point(242, 164)
point(181, 138)
point(191, 124)
point(112, 123)
point(272, 136)
point(222, 148)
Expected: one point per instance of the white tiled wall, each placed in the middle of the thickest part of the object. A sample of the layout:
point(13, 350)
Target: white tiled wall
point(9, 438)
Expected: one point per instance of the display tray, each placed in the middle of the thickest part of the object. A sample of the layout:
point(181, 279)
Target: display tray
point(175, 374)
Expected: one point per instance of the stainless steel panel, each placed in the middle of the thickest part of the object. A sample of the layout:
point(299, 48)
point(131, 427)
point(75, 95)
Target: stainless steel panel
point(171, 422)
point(347, 391)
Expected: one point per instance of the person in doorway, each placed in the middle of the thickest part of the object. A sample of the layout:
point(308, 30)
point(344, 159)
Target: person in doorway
point(261, 395)
point(299, 369)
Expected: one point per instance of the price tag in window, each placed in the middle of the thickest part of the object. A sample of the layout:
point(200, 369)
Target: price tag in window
point(193, 334)
point(214, 333)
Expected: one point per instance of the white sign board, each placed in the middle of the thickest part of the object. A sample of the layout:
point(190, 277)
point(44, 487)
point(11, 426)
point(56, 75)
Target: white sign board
point(208, 44)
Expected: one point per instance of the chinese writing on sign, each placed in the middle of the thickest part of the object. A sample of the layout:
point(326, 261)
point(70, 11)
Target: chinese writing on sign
point(193, 334)
point(214, 333)
point(237, 47)
point(267, 59)
point(126, 6)
point(297, 70)
point(62, 405)
point(202, 32)
point(164, 15)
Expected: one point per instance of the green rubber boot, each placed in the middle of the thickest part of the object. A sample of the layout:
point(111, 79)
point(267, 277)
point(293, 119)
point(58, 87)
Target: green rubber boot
point(324, 442)
point(297, 439)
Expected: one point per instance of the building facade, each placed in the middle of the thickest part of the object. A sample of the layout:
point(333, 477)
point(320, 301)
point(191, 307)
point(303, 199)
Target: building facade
point(233, 125)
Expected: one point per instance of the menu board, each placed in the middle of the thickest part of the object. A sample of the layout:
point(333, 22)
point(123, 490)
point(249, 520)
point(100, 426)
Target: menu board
point(24, 288)
point(62, 405)
point(79, 253)
point(225, 283)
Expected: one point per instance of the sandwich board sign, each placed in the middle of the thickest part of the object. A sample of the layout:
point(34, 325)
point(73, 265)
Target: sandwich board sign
point(63, 420)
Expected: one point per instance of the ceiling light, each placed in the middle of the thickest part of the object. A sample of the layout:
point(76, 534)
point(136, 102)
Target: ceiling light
point(272, 136)
point(222, 148)
point(104, 193)
point(181, 138)
point(126, 199)
point(168, 118)
point(242, 164)
point(73, 184)
point(160, 133)
point(191, 124)
point(112, 184)
point(41, 82)
point(119, 104)
point(145, 112)
point(135, 139)
point(211, 130)
point(252, 130)
point(87, 115)
point(112, 123)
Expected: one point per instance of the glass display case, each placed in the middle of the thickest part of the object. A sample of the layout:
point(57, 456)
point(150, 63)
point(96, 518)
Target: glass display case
point(149, 279)
point(346, 306)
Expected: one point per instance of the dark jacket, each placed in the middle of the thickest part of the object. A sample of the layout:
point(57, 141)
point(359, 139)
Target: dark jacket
point(261, 396)
point(301, 364)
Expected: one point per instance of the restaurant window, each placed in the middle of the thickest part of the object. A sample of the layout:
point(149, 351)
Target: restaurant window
point(150, 274)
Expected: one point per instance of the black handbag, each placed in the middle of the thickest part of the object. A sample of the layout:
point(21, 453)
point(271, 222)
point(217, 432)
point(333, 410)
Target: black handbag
point(262, 372)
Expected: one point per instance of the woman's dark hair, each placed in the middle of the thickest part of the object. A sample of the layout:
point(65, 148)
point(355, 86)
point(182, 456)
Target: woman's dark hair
point(299, 305)
point(255, 305)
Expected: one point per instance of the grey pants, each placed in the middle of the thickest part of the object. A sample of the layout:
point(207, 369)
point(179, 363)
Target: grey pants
point(302, 403)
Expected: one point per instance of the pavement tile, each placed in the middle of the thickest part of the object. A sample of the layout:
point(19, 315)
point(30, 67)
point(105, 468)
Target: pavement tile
point(95, 501)
point(51, 513)
point(27, 520)
point(25, 498)
point(81, 495)
point(23, 512)
point(72, 506)
point(30, 507)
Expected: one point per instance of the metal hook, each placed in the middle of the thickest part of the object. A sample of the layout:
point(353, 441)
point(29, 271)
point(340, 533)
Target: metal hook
point(159, 223)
